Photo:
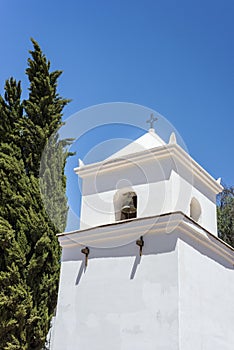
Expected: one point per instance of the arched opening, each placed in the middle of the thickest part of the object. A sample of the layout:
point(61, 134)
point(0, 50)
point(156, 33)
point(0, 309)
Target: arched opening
point(125, 203)
point(195, 209)
point(129, 206)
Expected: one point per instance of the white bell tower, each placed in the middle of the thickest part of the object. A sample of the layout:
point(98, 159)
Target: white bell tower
point(164, 178)
point(146, 270)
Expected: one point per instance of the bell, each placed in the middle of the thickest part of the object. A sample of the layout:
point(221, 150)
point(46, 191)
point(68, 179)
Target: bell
point(128, 205)
point(128, 209)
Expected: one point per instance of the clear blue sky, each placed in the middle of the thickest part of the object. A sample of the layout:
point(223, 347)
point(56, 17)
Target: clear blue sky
point(175, 57)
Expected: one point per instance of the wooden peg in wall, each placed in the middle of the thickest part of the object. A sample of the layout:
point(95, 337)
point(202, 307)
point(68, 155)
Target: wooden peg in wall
point(140, 243)
point(86, 252)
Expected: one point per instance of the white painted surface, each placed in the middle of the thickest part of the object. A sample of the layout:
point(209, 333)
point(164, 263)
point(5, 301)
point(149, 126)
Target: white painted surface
point(206, 308)
point(179, 295)
point(159, 188)
point(145, 142)
point(119, 303)
point(162, 182)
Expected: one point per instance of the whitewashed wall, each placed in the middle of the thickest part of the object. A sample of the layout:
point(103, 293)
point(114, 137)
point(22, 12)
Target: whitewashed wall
point(161, 187)
point(206, 307)
point(120, 302)
point(178, 295)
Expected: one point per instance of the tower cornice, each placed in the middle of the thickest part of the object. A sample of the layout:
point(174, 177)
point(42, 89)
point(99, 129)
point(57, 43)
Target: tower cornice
point(123, 232)
point(173, 151)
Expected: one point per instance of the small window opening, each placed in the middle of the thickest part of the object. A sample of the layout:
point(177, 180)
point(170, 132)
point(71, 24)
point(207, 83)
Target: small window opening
point(195, 209)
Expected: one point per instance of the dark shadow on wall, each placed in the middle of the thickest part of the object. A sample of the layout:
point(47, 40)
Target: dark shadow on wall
point(80, 273)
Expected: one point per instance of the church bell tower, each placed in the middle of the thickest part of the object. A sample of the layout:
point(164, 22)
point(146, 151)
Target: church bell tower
point(146, 269)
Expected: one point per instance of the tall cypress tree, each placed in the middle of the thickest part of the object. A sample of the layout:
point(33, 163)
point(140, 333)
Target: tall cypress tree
point(15, 297)
point(30, 251)
point(43, 108)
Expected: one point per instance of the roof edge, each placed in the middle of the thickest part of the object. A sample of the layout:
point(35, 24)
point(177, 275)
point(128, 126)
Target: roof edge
point(177, 221)
point(165, 151)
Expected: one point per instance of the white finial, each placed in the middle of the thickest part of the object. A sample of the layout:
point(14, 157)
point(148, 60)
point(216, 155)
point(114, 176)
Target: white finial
point(80, 163)
point(172, 138)
point(151, 121)
point(219, 180)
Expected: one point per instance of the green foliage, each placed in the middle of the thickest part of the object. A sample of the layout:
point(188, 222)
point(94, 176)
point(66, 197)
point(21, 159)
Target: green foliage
point(53, 180)
point(15, 298)
point(225, 214)
point(29, 250)
point(43, 108)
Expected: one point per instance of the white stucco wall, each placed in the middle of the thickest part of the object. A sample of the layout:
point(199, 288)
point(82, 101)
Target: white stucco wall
point(161, 187)
point(177, 296)
point(206, 308)
point(120, 302)
point(182, 192)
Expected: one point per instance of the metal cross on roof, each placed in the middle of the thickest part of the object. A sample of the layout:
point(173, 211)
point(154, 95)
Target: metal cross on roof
point(152, 120)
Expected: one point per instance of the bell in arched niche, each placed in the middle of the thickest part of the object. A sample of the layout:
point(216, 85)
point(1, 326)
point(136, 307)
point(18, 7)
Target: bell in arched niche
point(129, 206)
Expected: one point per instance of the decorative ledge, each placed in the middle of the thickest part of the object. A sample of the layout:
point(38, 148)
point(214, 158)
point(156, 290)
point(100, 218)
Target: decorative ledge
point(124, 232)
